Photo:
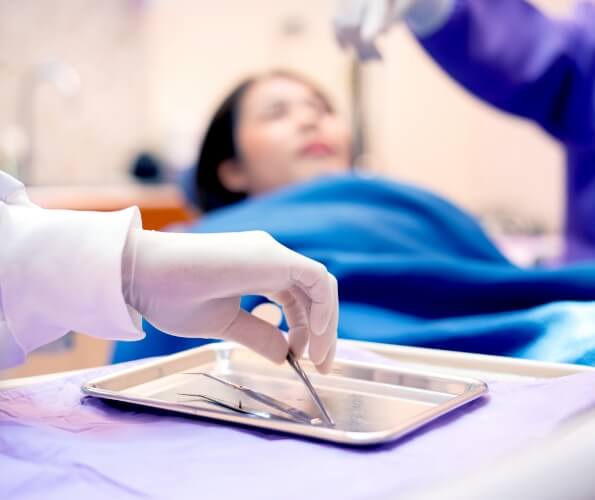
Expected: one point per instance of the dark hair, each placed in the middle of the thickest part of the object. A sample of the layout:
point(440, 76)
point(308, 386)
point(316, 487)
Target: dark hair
point(219, 144)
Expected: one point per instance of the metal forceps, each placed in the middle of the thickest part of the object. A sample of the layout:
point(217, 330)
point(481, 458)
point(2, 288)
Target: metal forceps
point(293, 362)
point(295, 413)
point(228, 406)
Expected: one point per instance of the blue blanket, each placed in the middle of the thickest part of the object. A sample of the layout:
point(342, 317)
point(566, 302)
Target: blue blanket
point(414, 269)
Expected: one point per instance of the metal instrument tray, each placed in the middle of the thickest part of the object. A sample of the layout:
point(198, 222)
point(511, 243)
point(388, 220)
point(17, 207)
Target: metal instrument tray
point(370, 403)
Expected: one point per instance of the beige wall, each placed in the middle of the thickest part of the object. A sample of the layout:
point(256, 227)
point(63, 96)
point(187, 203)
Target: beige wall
point(152, 72)
point(92, 137)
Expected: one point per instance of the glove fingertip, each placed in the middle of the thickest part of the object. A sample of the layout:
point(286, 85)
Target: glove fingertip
point(327, 364)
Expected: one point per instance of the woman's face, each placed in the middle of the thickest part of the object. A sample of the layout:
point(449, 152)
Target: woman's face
point(286, 133)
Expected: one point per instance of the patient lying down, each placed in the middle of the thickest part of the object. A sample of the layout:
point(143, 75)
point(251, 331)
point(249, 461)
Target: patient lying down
point(412, 267)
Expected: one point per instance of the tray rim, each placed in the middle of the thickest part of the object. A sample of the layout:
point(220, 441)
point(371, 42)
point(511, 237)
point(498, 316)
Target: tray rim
point(466, 363)
point(487, 364)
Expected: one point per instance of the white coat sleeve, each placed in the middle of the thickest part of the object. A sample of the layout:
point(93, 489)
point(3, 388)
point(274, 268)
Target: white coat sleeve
point(60, 270)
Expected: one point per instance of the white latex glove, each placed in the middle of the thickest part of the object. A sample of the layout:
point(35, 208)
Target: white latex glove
point(358, 23)
point(190, 285)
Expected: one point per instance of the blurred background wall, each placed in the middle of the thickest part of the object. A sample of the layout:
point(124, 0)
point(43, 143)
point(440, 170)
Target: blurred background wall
point(83, 135)
point(151, 72)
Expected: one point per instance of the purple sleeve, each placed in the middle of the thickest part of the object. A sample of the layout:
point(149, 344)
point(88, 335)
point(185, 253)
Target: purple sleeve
point(521, 61)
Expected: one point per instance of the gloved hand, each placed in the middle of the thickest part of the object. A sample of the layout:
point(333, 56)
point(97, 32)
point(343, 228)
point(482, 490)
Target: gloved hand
point(190, 285)
point(358, 23)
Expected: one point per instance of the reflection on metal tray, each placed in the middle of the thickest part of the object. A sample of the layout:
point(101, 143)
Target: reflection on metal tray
point(370, 403)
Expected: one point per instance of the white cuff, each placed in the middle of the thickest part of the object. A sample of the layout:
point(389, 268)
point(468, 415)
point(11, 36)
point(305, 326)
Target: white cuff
point(61, 270)
point(426, 17)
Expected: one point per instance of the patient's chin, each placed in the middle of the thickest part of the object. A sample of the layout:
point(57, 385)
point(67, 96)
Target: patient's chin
point(317, 167)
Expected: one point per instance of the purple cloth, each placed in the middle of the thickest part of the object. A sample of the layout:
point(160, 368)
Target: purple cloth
point(511, 55)
point(53, 446)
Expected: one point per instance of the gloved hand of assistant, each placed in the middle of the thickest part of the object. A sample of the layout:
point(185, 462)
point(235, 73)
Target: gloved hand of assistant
point(358, 23)
point(190, 285)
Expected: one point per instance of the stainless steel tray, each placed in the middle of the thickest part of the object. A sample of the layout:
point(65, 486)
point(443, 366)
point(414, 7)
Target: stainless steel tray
point(370, 403)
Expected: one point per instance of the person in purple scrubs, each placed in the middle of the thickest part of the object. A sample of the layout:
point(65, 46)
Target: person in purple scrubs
point(517, 58)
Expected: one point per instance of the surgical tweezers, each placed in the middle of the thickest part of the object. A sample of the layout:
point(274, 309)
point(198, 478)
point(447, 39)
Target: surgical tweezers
point(227, 406)
point(293, 362)
point(295, 413)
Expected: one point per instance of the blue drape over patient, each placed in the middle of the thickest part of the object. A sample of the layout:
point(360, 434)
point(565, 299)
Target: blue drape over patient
point(413, 269)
